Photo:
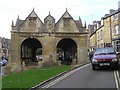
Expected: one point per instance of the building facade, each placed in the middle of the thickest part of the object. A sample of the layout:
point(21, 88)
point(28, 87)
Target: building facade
point(50, 37)
point(4, 48)
point(108, 34)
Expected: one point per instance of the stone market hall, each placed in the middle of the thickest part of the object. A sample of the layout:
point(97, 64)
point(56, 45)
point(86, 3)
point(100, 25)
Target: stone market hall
point(32, 39)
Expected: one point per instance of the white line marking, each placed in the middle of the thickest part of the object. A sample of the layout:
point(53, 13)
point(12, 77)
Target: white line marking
point(116, 82)
point(63, 77)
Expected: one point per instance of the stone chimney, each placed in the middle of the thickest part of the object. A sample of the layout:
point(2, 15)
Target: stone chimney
point(119, 5)
point(111, 11)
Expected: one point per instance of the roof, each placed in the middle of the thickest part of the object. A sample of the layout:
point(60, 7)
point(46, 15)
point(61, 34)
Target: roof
point(65, 15)
point(96, 31)
point(78, 23)
point(18, 22)
point(49, 16)
point(32, 14)
point(109, 15)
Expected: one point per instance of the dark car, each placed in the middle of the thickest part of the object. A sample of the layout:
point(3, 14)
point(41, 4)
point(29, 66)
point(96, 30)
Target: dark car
point(3, 62)
point(105, 57)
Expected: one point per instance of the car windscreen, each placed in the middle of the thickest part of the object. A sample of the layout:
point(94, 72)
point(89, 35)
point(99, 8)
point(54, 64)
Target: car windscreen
point(104, 51)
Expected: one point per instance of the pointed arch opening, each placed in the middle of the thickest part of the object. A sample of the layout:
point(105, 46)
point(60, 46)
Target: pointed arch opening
point(31, 49)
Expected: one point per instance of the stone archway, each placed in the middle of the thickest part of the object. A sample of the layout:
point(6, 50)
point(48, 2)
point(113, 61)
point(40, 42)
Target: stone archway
point(30, 48)
point(67, 45)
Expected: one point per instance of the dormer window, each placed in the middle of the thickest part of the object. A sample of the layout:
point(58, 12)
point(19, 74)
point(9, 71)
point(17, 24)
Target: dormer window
point(66, 21)
point(32, 21)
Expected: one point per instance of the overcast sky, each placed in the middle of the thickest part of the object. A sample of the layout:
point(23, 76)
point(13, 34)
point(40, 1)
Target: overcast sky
point(88, 10)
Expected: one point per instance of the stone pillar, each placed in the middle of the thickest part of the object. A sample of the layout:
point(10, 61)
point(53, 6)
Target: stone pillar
point(49, 50)
point(23, 66)
point(82, 51)
point(14, 64)
point(39, 64)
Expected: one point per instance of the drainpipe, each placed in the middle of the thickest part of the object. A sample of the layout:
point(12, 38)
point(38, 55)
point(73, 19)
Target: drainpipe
point(110, 31)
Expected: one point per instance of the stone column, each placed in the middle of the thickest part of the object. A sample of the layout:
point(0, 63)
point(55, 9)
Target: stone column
point(49, 50)
point(14, 64)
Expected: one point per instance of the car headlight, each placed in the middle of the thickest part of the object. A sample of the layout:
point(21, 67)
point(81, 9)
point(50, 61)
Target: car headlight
point(114, 59)
point(94, 60)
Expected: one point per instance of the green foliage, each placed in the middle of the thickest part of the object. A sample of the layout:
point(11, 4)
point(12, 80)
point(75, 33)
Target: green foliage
point(0, 83)
point(39, 51)
point(60, 50)
point(30, 78)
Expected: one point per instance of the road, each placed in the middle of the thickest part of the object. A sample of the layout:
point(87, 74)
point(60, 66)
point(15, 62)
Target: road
point(85, 77)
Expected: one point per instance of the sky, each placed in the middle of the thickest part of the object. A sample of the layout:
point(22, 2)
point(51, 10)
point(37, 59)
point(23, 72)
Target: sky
point(87, 10)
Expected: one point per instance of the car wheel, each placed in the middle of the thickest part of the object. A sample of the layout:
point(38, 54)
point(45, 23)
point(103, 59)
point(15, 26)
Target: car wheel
point(93, 67)
point(116, 67)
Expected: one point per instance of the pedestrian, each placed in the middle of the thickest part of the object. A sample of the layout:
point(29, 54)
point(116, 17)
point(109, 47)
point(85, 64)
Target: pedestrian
point(61, 57)
point(67, 57)
point(91, 55)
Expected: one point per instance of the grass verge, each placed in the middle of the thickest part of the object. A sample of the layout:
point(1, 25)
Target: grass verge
point(30, 78)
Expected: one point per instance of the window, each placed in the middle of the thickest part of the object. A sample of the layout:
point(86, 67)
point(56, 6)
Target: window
point(117, 45)
point(101, 22)
point(97, 36)
point(116, 17)
point(116, 29)
point(32, 21)
point(66, 21)
point(101, 35)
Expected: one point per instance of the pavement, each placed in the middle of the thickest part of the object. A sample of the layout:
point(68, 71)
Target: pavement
point(118, 74)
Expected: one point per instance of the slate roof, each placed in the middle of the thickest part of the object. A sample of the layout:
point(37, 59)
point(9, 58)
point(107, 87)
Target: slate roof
point(18, 22)
point(108, 15)
point(78, 23)
point(65, 15)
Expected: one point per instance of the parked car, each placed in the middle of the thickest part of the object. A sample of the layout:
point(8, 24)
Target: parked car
point(39, 57)
point(105, 57)
point(3, 62)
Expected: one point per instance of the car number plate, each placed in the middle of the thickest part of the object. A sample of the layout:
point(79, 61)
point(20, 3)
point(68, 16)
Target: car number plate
point(104, 64)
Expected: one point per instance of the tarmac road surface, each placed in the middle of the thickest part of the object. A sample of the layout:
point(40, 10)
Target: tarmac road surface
point(85, 77)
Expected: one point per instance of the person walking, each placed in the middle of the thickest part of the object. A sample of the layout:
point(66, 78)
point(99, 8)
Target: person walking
point(67, 57)
point(91, 55)
point(61, 57)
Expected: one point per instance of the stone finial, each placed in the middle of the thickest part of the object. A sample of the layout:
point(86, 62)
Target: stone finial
point(80, 21)
point(12, 23)
point(33, 9)
point(66, 9)
point(18, 17)
point(79, 18)
point(85, 24)
point(49, 12)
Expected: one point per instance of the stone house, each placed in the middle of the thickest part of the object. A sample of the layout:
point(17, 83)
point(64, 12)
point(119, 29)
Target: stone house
point(4, 47)
point(50, 38)
point(108, 33)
